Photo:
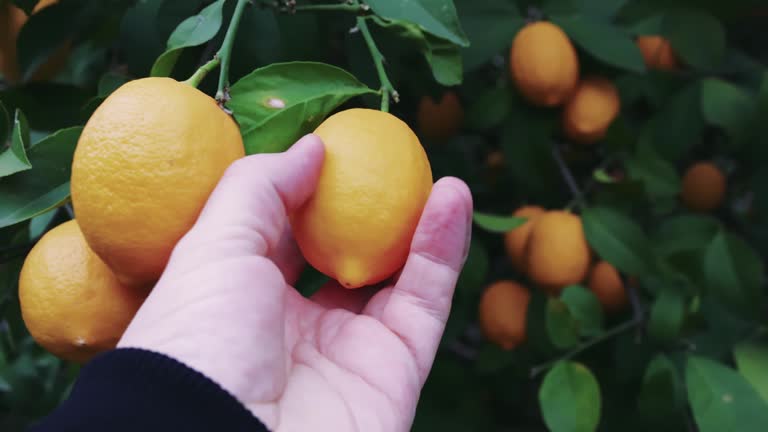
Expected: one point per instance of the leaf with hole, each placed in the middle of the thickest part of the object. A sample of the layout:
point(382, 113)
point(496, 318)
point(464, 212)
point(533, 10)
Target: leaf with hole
point(278, 104)
point(721, 399)
point(751, 360)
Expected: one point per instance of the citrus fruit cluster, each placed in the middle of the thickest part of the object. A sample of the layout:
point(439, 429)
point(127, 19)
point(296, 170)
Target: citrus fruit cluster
point(544, 65)
point(550, 249)
point(145, 164)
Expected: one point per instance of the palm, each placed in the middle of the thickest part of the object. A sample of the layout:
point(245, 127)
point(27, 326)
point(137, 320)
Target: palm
point(360, 374)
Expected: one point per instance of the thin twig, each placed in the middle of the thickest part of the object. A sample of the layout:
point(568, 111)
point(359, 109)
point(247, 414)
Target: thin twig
point(202, 72)
point(332, 7)
point(578, 197)
point(536, 370)
point(387, 89)
point(290, 6)
point(224, 54)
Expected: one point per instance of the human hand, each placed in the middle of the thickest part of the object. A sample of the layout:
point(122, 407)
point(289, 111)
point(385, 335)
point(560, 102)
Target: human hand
point(345, 360)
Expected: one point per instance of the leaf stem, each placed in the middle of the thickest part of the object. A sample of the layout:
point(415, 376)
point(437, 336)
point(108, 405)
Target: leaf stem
point(203, 71)
point(222, 93)
point(331, 7)
point(290, 6)
point(621, 328)
point(387, 89)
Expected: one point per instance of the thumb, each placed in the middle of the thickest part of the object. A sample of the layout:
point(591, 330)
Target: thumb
point(248, 210)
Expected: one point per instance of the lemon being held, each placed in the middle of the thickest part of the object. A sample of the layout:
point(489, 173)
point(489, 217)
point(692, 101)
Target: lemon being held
point(376, 178)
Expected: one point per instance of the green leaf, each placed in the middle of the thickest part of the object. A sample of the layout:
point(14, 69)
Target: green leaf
point(601, 8)
point(661, 391)
point(550, 326)
point(38, 224)
point(751, 359)
point(443, 56)
point(488, 109)
point(437, 17)
point(606, 42)
point(277, 104)
point(678, 125)
point(618, 240)
point(659, 177)
point(490, 25)
point(45, 186)
point(193, 31)
point(697, 37)
point(649, 25)
point(734, 273)
point(570, 398)
point(667, 316)
point(562, 326)
point(14, 159)
point(721, 399)
point(685, 233)
point(498, 224)
point(444, 59)
point(727, 106)
point(585, 308)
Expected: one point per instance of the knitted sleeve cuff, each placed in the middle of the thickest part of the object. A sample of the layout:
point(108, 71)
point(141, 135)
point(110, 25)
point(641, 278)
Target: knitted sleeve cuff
point(131, 389)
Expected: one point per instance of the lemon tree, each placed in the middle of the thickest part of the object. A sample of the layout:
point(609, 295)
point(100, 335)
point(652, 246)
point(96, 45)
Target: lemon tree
point(614, 149)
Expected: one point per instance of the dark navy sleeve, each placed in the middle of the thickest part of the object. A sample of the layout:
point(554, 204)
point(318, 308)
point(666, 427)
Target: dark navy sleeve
point(137, 390)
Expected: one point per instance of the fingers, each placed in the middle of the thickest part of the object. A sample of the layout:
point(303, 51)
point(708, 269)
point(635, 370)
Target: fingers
point(247, 213)
point(417, 307)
